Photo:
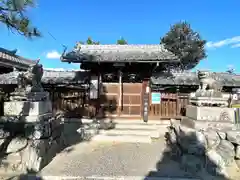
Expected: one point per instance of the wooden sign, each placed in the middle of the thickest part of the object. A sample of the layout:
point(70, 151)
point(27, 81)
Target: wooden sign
point(94, 87)
point(145, 107)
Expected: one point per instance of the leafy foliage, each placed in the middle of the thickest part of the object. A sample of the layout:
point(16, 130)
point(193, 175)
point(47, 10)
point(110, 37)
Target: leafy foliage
point(89, 41)
point(13, 15)
point(122, 41)
point(186, 44)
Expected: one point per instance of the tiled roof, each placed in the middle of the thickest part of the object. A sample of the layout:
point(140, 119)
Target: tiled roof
point(50, 77)
point(12, 58)
point(190, 78)
point(119, 53)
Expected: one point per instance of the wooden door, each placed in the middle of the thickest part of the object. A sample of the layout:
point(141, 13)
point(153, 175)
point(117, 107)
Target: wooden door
point(132, 100)
point(109, 95)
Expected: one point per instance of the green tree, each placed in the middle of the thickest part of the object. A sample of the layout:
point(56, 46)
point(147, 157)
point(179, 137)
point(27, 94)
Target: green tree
point(122, 41)
point(89, 41)
point(13, 15)
point(185, 43)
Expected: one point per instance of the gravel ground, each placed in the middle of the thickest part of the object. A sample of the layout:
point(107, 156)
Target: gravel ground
point(108, 159)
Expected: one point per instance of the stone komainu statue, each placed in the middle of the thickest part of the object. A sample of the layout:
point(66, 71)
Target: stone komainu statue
point(31, 78)
point(208, 81)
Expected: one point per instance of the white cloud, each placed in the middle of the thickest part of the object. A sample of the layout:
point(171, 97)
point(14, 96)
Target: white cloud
point(233, 42)
point(54, 69)
point(235, 45)
point(53, 55)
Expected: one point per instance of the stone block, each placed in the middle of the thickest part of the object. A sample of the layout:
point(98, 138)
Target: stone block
point(212, 138)
point(227, 150)
point(38, 96)
point(191, 163)
point(205, 125)
point(222, 135)
point(17, 145)
point(215, 163)
point(237, 155)
point(27, 108)
point(233, 136)
point(34, 155)
point(38, 131)
point(31, 130)
point(25, 119)
point(192, 141)
point(218, 159)
point(210, 113)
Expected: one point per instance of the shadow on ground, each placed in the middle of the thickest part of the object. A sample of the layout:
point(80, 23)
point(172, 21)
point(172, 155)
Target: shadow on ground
point(30, 175)
point(179, 162)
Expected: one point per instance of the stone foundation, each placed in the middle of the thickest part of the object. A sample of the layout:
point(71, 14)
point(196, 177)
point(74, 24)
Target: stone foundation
point(210, 113)
point(205, 125)
point(38, 142)
point(27, 135)
point(27, 108)
point(205, 153)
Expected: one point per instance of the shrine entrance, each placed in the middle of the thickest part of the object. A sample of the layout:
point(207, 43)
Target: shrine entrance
point(121, 100)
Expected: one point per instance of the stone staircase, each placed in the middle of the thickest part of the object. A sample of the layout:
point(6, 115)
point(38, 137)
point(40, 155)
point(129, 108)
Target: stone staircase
point(133, 131)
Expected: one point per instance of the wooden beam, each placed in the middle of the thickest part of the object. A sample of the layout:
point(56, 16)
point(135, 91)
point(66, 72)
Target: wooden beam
point(120, 108)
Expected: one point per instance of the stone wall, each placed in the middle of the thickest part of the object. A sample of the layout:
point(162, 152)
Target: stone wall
point(26, 146)
point(208, 153)
point(31, 149)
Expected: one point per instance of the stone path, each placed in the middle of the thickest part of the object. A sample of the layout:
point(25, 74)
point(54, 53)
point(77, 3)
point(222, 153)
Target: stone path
point(111, 160)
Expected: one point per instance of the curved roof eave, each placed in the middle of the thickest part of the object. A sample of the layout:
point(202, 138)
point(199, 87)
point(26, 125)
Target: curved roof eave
point(119, 53)
point(9, 57)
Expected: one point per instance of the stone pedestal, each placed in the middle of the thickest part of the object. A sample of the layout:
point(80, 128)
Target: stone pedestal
point(27, 108)
point(26, 119)
point(27, 95)
point(205, 125)
point(32, 121)
point(210, 113)
point(219, 118)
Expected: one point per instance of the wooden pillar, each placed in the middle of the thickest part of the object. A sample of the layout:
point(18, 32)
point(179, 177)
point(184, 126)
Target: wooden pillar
point(178, 102)
point(145, 100)
point(120, 100)
point(144, 85)
point(98, 101)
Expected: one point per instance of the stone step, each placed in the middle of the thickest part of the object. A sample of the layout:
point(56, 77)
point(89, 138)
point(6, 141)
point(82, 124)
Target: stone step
point(123, 121)
point(139, 126)
point(151, 122)
point(122, 138)
point(33, 177)
point(148, 132)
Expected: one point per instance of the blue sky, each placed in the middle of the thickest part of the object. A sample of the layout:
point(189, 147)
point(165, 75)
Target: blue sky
point(138, 21)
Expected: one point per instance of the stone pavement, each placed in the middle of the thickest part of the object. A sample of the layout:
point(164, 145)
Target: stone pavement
point(111, 160)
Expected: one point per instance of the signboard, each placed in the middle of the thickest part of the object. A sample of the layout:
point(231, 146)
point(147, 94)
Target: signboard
point(145, 107)
point(94, 87)
point(156, 98)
